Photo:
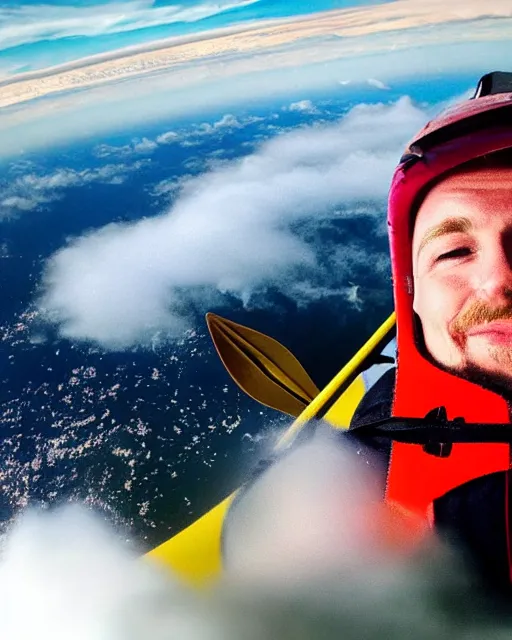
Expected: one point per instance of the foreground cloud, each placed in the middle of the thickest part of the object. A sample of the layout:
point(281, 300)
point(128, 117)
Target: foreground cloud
point(318, 555)
point(231, 229)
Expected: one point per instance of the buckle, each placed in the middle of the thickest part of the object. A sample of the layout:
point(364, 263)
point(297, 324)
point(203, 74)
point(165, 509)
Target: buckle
point(439, 449)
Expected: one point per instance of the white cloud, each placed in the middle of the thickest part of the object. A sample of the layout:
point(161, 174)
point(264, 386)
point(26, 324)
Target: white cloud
point(305, 293)
point(35, 22)
point(230, 229)
point(169, 187)
point(166, 187)
point(136, 146)
point(373, 82)
point(187, 138)
point(11, 207)
point(68, 565)
point(187, 143)
point(144, 146)
point(30, 191)
point(353, 297)
point(168, 137)
point(228, 121)
point(378, 84)
point(303, 106)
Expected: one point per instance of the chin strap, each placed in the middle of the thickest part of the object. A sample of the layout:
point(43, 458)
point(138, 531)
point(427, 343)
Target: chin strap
point(435, 432)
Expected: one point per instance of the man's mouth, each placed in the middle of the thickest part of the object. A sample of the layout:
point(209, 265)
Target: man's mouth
point(498, 332)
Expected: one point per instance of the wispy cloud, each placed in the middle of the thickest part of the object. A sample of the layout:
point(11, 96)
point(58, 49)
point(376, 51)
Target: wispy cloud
point(188, 137)
point(166, 188)
point(378, 84)
point(372, 82)
point(303, 106)
point(168, 137)
point(32, 190)
point(228, 121)
point(35, 22)
point(305, 293)
point(144, 146)
point(231, 229)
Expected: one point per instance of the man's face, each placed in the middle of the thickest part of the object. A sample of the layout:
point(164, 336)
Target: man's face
point(462, 266)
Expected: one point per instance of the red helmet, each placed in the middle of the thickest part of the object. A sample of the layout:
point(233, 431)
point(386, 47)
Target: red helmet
point(473, 128)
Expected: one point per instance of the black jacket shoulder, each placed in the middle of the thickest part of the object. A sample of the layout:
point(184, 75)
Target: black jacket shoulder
point(376, 404)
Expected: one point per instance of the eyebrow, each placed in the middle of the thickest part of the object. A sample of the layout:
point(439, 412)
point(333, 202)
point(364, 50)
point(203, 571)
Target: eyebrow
point(450, 225)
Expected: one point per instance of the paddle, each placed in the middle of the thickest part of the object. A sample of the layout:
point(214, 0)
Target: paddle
point(262, 366)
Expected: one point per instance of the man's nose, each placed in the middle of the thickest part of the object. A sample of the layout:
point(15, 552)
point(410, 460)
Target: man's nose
point(494, 275)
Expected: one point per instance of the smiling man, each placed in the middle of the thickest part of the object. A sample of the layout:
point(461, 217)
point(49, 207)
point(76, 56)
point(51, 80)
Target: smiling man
point(450, 225)
point(450, 231)
point(462, 266)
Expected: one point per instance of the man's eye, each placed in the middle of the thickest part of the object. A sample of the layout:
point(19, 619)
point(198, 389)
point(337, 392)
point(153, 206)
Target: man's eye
point(455, 253)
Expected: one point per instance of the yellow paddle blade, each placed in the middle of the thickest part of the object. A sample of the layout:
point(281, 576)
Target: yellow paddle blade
point(262, 366)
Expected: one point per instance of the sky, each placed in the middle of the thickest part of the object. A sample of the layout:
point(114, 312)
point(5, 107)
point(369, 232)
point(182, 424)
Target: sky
point(242, 57)
point(38, 34)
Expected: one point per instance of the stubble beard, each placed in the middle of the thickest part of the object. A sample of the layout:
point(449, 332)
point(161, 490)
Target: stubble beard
point(497, 382)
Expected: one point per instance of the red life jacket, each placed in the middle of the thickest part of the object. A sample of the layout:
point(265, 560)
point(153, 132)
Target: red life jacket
point(474, 128)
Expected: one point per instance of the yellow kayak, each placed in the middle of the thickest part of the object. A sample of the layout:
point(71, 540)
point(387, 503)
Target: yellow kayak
point(270, 373)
